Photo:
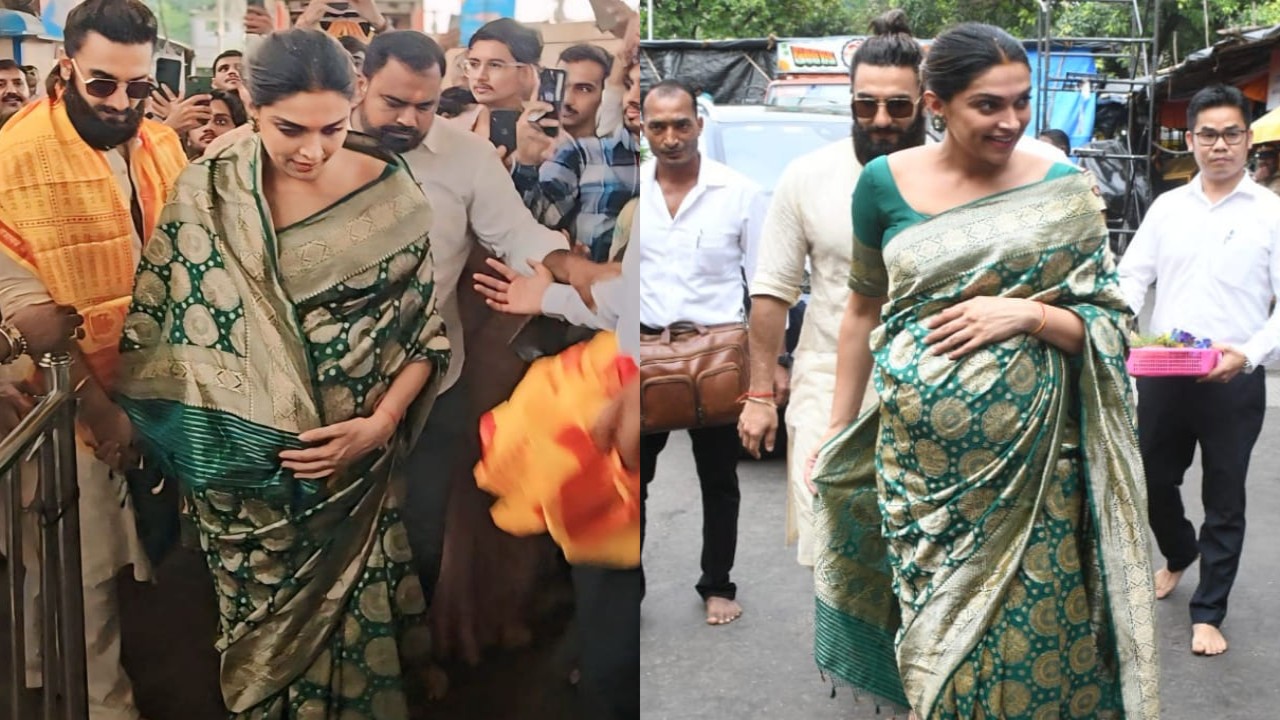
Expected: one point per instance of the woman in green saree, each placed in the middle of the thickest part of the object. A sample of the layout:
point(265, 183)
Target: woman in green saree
point(987, 551)
point(281, 352)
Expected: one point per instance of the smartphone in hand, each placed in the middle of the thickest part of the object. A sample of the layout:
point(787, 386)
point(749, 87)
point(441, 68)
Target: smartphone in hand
point(551, 85)
point(502, 128)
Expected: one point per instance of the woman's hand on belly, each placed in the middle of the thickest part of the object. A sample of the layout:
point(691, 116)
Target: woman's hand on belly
point(339, 445)
point(979, 322)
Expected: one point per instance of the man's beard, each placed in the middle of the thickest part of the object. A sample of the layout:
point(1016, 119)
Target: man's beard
point(396, 138)
point(101, 134)
point(867, 149)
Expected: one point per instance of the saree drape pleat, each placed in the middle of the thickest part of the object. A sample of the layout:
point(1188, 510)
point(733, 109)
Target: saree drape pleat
point(987, 551)
point(241, 337)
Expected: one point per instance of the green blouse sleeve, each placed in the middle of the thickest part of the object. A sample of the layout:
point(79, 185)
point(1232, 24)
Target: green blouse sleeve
point(867, 275)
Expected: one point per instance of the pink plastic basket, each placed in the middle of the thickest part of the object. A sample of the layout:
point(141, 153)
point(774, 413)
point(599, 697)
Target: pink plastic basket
point(1171, 362)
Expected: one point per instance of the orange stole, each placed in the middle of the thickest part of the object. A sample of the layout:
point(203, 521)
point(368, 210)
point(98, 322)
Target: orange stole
point(65, 219)
point(540, 461)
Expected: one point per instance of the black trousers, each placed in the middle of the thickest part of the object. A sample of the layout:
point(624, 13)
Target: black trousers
point(448, 446)
point(715, 455)
point(1174, 414)
point(608, 618)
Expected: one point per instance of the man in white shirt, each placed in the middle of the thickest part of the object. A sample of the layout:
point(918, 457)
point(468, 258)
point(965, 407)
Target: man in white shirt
point(700, 225)
point(472, 201)
point(1213, 247)
point(809, 223)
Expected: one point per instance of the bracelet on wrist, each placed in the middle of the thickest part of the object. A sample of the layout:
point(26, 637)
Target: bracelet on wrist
point(759, 401)
point(17, 343)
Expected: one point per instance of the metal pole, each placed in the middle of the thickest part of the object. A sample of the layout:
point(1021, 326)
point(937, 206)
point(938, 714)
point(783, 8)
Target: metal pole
point(16, 575)
point(62, 462)
point(650, 19)
point(50, 564)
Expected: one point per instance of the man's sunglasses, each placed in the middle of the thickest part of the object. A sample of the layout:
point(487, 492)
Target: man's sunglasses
point(106, 87)
point(898, 108)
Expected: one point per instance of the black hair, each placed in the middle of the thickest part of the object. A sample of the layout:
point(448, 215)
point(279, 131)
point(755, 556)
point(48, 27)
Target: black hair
point(1216, 95)
point(353, 45)
point(224, 55)
point(239, 115)
point(454, 100)
point(523, 41)
point(671, 87)
point(1058, 138)
point(964, 52)
point(416, 50)
point(127, 22)
point(7, 64)
point(586, 52)
point(890, 45)
point(296, 61)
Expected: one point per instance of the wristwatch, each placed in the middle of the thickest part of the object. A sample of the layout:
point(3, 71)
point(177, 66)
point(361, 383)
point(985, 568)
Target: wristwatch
point(1248, 366)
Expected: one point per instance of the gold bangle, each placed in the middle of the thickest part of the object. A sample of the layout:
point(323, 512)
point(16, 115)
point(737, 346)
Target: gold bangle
point(1044, 319)
point(760, 400)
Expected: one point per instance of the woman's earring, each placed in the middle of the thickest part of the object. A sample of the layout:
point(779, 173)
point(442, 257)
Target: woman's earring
point(939, 123)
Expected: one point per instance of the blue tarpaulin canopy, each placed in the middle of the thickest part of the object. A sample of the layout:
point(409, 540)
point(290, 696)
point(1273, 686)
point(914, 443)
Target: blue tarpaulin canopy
point(1071, 109)
point(20, 24)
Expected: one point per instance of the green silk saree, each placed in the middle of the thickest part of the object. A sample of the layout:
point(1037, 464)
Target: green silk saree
point(241, 337)
point(987, 546)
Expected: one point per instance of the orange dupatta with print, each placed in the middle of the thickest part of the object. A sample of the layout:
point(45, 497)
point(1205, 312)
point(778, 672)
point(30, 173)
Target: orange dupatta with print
point(547, 473)
point(64, 218)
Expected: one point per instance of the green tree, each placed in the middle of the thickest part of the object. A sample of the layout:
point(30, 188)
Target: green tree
point(728, 19)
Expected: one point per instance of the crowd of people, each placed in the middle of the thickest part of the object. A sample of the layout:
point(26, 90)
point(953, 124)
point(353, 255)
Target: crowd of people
point(269, 288)
point(973, 474)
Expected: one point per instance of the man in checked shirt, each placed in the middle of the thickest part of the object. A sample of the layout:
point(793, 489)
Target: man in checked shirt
point(587, 181)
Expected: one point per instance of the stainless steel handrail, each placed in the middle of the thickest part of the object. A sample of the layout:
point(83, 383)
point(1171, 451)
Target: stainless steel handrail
point(50, 429)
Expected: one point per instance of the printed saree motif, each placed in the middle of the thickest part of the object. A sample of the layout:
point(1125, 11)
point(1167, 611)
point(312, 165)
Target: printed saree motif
point(987, 552)
point(239, 338)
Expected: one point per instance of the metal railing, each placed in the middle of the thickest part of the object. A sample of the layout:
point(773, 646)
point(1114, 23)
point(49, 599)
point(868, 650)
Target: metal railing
point(48, 430)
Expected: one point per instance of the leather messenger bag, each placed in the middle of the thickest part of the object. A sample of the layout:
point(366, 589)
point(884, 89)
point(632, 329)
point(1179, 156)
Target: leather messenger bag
point(692, 376)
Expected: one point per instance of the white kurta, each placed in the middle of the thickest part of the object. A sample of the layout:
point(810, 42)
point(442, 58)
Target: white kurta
point(810, 220)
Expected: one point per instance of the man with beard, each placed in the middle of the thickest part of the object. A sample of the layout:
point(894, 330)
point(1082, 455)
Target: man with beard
point(700, 224)
point(586, 183)
point(809, 223)
point(95, 177)
point(13, 90)
point(473, 203)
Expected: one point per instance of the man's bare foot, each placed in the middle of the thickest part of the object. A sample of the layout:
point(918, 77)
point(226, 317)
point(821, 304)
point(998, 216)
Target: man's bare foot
point(1207, 640)
point(1166, 581)
point(722, 611)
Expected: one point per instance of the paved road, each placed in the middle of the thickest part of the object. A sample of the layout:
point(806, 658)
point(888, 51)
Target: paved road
point(761, 666)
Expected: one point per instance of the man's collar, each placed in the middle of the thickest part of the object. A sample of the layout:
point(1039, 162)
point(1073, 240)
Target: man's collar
point(434, 141)
point(1246, 186)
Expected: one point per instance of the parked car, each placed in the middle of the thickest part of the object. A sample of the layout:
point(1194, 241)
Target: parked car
point(828, 91)
point(759, 141)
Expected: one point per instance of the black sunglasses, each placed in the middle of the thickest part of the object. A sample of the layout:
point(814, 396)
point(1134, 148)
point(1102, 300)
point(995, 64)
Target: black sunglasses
point(898, 108)
point(105, 87)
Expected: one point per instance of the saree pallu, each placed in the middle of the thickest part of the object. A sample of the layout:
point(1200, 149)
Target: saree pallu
point(987, 551)
point(241, 337)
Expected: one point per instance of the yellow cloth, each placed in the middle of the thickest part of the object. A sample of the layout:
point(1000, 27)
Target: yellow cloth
point(549, 476)
point(64, 218)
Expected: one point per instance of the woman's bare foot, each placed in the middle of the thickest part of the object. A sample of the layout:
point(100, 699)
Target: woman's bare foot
point(1166, 582)
point(1207, 640)
point(722, 611)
